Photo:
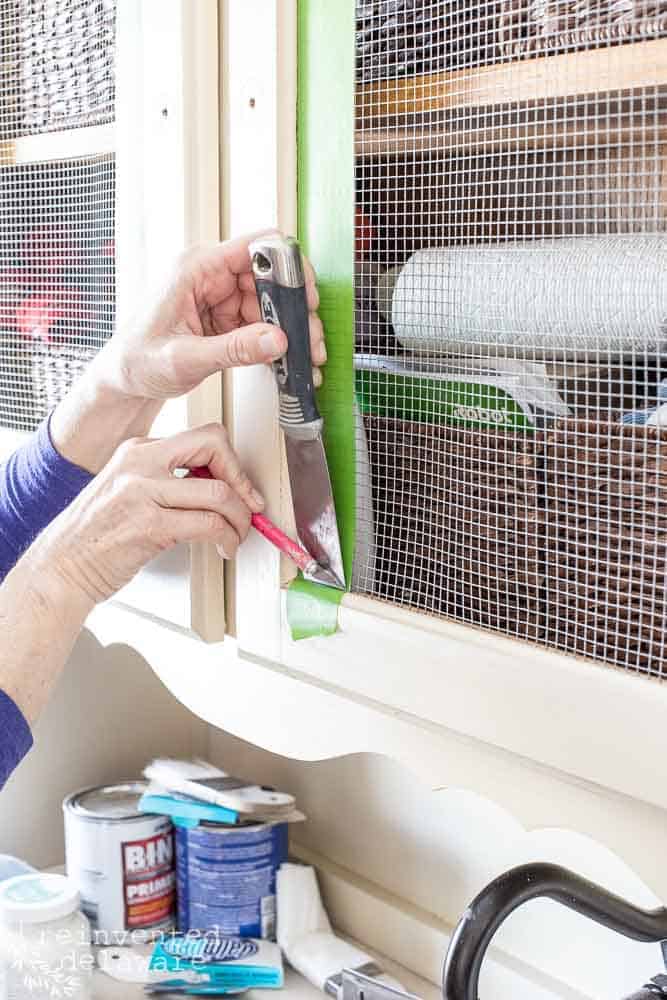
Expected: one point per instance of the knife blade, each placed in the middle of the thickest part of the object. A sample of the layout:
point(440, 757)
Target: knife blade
point(281, 290)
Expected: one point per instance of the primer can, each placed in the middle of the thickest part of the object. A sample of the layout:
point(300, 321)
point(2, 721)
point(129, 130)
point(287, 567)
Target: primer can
point(122, 862)
point(226, 877)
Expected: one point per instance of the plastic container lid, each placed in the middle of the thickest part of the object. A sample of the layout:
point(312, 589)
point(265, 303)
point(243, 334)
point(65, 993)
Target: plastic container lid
point(37, 899)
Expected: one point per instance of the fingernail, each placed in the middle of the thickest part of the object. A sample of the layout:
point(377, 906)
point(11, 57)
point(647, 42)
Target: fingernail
point(271, 344)
point(221, 552)
point(321, 353)
point(317, 378)
point(258, 498)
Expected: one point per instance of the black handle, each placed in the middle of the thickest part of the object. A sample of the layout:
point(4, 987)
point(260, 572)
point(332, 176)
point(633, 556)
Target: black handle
point(656, 988)
point(281, 291)
point(460, 977)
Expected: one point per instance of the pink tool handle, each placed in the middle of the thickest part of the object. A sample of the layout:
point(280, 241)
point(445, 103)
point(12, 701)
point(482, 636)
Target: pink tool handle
point(273, 534)
point(270, 531)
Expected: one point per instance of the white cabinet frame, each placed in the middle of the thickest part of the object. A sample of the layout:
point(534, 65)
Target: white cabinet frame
point(587, 720)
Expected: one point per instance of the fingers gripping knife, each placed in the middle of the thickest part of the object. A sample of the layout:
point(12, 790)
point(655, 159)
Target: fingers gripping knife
point(281, 291)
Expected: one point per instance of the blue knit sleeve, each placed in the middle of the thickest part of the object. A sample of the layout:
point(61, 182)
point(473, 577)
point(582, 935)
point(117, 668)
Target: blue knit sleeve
point(36, 483)
point(15, 737)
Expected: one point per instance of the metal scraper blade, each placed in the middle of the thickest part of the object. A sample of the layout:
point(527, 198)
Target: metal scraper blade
point(314, 510)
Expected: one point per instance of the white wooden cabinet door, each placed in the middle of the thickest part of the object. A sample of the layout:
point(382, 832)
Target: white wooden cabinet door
point(584, 719)
point(167, 156)
point(165, 140)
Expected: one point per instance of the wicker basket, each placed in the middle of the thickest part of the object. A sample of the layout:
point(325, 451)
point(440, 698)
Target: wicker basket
point(16, 396)
point(57, 64)
point(538, 27)
point(407, 37)
point(53, 371)
point(560, 539)
point(456, 513)
point(605, 542)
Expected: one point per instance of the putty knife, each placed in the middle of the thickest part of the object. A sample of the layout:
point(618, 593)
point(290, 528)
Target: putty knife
point(281, 290)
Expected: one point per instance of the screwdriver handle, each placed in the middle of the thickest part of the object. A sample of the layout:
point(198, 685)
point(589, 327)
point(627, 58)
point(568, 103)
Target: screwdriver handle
point(281, 291)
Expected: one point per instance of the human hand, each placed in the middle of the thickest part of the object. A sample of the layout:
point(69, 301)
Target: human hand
point(207, 320)
point(136, 508)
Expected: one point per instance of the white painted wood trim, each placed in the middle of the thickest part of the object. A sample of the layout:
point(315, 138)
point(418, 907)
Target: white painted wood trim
point(167, 200)
point(299, 716)
point(259, 192)
point(586, 719)
point(201, 148)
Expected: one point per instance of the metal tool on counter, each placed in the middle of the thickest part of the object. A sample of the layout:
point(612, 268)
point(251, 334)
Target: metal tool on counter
point(460, 978)
point(358, 986)
point(281, 290)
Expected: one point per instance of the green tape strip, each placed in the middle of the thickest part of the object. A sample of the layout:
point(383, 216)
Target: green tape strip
point(312, 609)
point(325, 122)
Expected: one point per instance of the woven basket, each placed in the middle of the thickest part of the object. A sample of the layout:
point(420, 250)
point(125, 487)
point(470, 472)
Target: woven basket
point(53, 371)
point(456, 515)
point(605, 543)
point(16, 395)
point(538, 27)
point(57, 64)
point(407, 37)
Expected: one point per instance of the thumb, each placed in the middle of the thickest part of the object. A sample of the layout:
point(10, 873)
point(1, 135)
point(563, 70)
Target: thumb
point(254, 344)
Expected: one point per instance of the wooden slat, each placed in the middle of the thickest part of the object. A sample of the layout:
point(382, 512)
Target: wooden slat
point(613, 134)
point(7, 153)
point(622, 67)
point(76, 143)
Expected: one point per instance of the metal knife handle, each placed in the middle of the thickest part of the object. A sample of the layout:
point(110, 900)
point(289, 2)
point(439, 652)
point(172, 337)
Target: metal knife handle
point(281, 290)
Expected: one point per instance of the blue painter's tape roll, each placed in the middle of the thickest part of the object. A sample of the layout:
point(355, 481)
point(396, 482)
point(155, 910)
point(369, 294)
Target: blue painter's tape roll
point(226, 877)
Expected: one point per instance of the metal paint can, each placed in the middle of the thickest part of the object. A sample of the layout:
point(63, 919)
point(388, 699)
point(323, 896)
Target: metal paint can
point(122, 862)
point(226, 877)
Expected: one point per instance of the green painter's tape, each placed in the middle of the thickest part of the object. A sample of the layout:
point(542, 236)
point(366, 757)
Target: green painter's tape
point(312, 609)
point(325, 121)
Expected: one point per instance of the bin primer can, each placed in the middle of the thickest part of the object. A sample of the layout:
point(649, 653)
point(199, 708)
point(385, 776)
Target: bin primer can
point(226, 877)
point(122, 862)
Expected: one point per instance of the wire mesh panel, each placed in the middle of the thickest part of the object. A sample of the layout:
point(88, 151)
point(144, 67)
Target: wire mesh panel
point(511, 309)
point(57, 64)
point(57, 257)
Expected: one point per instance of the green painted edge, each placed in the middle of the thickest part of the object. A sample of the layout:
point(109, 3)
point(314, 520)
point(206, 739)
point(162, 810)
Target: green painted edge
point(312, 609)
point(325, 164)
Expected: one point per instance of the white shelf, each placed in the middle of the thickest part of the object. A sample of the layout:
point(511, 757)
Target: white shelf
point(76, 143)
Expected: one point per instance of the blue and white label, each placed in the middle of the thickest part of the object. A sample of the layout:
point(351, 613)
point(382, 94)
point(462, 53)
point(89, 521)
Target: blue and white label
point(209, 947)
point(210, 962)
point(226, 878)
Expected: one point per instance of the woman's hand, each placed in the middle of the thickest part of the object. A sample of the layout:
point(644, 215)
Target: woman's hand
point(136, 508)
point(207, 320)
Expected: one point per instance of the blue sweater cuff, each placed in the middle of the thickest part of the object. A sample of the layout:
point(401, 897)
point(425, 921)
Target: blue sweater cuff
point(15, 736)
point(72, 477)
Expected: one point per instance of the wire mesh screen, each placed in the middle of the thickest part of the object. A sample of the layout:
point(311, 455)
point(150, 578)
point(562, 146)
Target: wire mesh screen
point(57, 258)
point(57, 64)
point(511, 309)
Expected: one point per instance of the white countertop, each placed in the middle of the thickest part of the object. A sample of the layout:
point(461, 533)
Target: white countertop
point(296, 987)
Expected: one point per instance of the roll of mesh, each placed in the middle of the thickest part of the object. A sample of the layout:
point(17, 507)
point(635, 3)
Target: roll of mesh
point(581, 297)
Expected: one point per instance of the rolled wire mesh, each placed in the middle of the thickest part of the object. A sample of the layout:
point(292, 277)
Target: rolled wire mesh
point(511, 309)
point(57, 256)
